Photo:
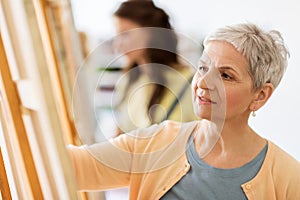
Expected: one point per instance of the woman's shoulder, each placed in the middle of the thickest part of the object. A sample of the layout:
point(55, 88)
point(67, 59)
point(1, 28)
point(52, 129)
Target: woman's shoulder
point(284, 169)
point(281, 154)
point(282, 160)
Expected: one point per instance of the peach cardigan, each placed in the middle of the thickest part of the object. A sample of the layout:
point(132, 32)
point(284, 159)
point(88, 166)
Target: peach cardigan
point(150, 161)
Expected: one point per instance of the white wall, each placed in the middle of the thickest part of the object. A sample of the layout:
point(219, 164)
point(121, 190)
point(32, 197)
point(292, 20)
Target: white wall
point(279, 120)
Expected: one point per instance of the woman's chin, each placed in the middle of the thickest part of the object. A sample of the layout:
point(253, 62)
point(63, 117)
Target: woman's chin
point(201, 115)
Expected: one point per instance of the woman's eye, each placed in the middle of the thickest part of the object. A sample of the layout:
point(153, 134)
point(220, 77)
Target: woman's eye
point(202, 69)
point(226, 76)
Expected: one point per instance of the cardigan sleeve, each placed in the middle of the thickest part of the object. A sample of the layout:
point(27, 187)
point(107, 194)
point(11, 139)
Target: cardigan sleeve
point(109, 164)
point(92, 173)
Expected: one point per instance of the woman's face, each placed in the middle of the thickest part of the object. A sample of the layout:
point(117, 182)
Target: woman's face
point(222, 86)
point(132, 39)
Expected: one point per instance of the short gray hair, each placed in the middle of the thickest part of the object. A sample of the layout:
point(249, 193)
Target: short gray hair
point(265, 51)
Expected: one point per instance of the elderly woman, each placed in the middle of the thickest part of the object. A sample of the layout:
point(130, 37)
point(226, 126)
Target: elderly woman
point(217, 157)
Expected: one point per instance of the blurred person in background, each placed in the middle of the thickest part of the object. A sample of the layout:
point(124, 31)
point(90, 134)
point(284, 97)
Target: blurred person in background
point(155, 84)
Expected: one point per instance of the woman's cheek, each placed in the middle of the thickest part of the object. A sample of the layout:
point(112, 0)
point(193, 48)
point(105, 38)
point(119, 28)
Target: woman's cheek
point(234, 98)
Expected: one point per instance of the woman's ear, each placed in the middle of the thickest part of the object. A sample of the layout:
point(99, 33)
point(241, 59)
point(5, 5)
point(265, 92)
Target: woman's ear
point(261, 96)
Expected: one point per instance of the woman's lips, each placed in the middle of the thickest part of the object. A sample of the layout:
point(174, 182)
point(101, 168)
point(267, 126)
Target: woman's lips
point(205, 101)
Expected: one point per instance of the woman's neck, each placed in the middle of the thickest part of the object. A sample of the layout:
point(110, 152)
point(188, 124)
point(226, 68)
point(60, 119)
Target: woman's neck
point(237, 145)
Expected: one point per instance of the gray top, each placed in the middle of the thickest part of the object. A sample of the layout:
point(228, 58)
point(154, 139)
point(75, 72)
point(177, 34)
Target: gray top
point(206, 182)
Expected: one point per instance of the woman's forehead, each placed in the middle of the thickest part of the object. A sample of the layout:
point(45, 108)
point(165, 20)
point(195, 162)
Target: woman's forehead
point(221, 52)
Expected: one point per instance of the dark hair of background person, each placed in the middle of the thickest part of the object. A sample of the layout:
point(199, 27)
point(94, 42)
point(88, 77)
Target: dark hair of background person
point(146, 14)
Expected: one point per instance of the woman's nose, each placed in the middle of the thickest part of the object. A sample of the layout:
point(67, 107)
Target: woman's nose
point(206, 81)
